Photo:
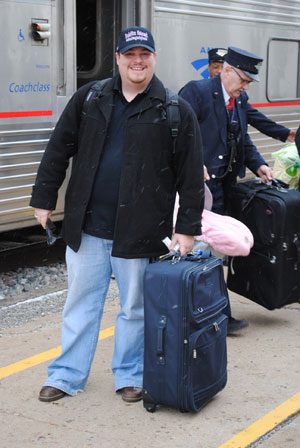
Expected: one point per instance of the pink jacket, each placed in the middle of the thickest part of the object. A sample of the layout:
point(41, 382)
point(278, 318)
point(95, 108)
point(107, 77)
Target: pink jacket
point(224, 234)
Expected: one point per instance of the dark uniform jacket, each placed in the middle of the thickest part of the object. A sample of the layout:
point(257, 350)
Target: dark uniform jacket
point(207, 99)
point(262, 123)
point(151, 171)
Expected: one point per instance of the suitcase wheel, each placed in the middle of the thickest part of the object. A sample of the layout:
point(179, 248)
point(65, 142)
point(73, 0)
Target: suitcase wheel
point(149, 404)
point(150, 407)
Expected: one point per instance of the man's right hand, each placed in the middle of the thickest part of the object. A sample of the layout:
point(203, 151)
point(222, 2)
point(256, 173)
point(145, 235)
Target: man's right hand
point(42, 216)
point(265, 173)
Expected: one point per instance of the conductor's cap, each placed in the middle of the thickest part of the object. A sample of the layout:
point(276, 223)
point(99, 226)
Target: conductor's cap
point(216, 55)
point(249, 63)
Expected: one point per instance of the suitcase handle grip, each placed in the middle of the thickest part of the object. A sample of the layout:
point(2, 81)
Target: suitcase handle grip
point(161, 325)
point(198, 255)
point(280, 184)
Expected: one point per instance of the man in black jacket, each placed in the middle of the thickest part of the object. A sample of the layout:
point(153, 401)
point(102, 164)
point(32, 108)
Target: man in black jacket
point(119, 204)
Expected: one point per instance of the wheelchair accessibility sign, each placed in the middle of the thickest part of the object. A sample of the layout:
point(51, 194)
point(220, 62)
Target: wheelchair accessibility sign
point(21, 35)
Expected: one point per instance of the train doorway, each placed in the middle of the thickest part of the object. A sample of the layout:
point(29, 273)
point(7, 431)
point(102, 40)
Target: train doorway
point(98, 24)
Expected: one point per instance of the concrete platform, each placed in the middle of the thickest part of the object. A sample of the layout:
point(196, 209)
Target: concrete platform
point(263, 373)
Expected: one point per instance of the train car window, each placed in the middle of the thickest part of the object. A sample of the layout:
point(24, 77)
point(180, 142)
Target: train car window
point(97, 24)
point(283, 83)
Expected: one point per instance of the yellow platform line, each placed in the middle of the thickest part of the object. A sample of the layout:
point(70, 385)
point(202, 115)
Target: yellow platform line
point(265, 424)
point(44, 356)
point(242, 440)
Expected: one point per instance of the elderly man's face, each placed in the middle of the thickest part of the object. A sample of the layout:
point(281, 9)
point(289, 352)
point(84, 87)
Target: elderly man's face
point(215, 68)
point(235, 81)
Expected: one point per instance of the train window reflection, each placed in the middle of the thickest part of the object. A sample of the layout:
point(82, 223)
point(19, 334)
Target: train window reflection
point(283, 69)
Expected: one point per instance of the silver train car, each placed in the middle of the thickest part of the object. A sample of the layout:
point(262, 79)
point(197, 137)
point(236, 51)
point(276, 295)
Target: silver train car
point(49, 48)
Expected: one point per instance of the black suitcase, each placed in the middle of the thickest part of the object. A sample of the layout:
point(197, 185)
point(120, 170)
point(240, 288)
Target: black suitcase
point(185, 361)
point(270, 275)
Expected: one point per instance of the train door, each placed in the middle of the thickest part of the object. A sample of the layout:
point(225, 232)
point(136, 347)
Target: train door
point(98, 24)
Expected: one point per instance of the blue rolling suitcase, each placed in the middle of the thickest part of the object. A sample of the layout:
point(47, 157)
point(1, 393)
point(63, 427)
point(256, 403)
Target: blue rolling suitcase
point(185, 361)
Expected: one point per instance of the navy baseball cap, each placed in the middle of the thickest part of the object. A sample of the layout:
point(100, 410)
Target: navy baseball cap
point(135, 36)
point(216, 54)
point(245, 61)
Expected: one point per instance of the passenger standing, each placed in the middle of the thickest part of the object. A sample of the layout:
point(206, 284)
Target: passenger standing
point(118, 208)
point(222, 114)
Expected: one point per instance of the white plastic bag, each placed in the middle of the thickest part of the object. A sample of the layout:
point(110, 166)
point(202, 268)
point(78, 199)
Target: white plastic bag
point(287, 165)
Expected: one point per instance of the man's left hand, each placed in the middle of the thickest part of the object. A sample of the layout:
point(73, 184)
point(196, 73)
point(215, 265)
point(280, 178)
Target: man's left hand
point(265, 173)
point(186, 243)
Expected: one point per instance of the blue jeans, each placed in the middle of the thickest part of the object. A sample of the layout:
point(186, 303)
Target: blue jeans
point(89, 274)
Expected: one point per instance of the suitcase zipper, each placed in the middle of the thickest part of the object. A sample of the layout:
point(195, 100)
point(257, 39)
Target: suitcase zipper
point(183, 349)
point(215, 325)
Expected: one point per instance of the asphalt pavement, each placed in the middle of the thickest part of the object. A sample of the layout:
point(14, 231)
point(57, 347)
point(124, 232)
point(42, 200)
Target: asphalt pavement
point(263, 375)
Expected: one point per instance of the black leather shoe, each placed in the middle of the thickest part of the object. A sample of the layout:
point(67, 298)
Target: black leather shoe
point(235, 325)
point(131, 394)
point(49, 393)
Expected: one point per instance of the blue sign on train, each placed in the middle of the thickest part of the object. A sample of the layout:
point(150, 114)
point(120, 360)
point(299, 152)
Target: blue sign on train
point(29, 87)
point(202, 63)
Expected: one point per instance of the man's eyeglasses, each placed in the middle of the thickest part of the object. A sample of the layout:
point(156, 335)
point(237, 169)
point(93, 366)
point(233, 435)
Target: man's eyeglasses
point(244, 81)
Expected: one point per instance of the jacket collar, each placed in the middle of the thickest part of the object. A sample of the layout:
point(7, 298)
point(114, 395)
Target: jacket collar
point(156, 93)
point(157, 90)
point(106, 96)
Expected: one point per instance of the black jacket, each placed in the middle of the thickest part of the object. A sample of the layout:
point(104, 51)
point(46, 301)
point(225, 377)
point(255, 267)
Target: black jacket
point(151, 171)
